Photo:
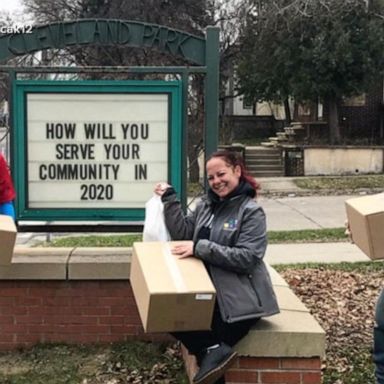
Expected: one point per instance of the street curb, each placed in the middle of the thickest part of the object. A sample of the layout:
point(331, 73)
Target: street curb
point(319, 192)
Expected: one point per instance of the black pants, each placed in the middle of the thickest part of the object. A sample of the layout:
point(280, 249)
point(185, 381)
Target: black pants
point(229, 333)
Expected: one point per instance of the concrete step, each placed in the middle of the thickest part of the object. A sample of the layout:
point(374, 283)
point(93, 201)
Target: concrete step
point(263, 172)
point(270, 152)
point(262, 149)
point(271, 167)
point(264, 161)
point(279, 139)
point(261, 155)
point(267, 174)
point(261, 162)
point(268, 144)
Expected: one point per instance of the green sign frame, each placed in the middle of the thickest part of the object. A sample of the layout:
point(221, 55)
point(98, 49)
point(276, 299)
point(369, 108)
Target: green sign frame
point(20, 90)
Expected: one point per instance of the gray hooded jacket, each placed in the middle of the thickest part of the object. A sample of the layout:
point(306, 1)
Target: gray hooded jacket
point(233, 253)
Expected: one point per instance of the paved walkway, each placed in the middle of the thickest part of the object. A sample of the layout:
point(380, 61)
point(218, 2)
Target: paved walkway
point(314, 253)
point(292, 211)
point(304, 212)
point(276, 185)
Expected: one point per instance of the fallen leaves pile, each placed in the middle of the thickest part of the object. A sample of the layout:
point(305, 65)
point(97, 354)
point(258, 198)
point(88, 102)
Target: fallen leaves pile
point(344, 305)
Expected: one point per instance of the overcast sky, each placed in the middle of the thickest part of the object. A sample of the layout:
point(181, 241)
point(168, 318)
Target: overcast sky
point(10, 5)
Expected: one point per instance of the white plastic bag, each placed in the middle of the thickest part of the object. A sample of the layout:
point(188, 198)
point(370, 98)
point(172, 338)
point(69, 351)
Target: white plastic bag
point(154, 224)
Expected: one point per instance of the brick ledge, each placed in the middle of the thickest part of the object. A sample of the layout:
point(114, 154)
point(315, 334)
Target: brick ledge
point(292, 333)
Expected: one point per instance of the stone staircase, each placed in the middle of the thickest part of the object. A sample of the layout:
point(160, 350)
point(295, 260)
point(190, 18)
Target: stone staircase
point(294, 133)
point(263, 161)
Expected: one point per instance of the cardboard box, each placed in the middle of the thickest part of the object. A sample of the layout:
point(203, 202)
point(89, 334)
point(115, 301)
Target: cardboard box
point(7, 239)
point(366, 221)
point(171, 294)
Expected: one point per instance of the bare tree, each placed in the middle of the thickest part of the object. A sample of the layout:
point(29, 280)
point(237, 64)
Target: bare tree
point(192, 16)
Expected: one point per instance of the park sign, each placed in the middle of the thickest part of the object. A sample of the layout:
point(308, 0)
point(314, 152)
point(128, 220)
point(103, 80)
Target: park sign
point(93, 150)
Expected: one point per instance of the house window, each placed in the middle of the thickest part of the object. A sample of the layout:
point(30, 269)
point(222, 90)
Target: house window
point(355, 101)
point(247, 105)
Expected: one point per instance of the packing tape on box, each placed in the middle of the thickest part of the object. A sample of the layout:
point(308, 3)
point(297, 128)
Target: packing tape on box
point(174, 269)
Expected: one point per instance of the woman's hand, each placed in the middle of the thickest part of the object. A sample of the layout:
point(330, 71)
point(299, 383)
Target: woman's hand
point(183, 250)
point(160, 188)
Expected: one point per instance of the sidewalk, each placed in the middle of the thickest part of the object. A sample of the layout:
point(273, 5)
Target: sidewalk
point(314, 253)
point(279, 185)
point(288, 207)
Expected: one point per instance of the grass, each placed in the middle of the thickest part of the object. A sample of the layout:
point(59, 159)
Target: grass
point(325, 235)
point(134, 362)
point(93, 241)
point(341, 183)
point(43, 364)
point(300, 236)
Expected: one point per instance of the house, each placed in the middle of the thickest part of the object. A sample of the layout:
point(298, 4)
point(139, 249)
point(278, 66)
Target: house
point(304, 145)
point(361, 118)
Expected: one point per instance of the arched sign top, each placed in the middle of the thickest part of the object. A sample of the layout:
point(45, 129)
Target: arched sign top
point(104, 32)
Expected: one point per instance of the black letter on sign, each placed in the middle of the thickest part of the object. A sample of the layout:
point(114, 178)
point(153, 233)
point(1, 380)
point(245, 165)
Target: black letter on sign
point(141, 172)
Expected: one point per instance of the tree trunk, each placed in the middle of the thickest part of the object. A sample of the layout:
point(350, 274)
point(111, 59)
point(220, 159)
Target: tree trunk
point(194, 169)
point(195, 143)
point(225, 132)
point(287, 111)
point(195, 127)
point(333, 120)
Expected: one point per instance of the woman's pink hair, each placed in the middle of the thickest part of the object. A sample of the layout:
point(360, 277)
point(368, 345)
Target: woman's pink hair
point(233, 159)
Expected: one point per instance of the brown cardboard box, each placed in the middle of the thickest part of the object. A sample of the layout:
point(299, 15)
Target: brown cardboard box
point(366, 221)
point(7, 239)
point(171, 294)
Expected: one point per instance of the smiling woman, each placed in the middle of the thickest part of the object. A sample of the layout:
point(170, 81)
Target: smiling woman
point(227, 232)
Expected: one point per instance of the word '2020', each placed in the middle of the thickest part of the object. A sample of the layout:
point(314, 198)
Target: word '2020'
point(96, 192)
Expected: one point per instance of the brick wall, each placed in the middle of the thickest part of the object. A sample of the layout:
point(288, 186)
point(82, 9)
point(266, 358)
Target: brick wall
point(275, 370)
point(68, 311)
point(105, 311)
point(267, 370)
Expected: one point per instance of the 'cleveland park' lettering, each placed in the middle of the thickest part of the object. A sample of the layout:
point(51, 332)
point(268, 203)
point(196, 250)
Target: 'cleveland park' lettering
point(103, 32)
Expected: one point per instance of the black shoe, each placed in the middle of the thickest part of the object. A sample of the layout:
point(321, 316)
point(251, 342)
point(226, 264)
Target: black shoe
point(214, 363)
